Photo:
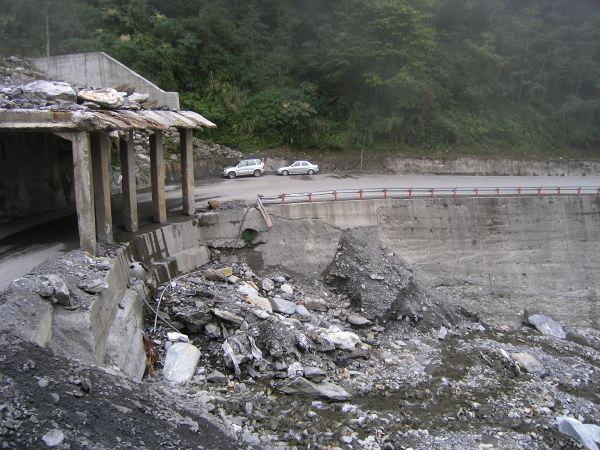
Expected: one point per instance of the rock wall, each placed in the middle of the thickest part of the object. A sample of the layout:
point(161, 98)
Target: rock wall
point(482, 166)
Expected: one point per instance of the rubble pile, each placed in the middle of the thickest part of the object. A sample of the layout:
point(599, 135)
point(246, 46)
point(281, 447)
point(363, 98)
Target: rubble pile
point(22, 87)
point(380, 284)
point(287, 364)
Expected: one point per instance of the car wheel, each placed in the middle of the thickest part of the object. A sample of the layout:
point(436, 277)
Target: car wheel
point(285, 173)
point(231, 174)
point(311, 172)
point(257, 173)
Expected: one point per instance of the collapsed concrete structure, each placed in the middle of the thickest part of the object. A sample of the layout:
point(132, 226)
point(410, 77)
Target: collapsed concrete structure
point(55, 142)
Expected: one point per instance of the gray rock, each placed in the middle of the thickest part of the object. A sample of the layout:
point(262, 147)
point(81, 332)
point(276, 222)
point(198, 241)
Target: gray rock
point(215, 275)
point(181, 362)
point(261, 314)
point(53, 438)
point(59, 289)
point(358, 320)
point(279, 279)
point(283, 306)
point(43, 382)
point(212, 331)
point(138, 98)
point(546, 326)
point(54, 397)
point(587, 434)
point(94, 286)
point(227, 316)
point(315, 374)
point(343, 340)
point(324, 389)
point(49, 90)
point(268, 285)
point(302, 311)
point(217, 377)
point(528, 362)
point(86, 385)
point(315, 304)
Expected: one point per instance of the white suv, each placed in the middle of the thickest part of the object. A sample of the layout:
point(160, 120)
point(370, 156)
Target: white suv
point(254, 167)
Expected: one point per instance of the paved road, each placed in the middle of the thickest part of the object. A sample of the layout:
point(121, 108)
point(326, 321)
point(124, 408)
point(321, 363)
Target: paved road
point(22, 249)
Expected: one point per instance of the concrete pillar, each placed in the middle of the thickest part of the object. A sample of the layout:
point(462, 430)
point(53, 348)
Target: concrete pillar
point(100, 144)
point(84, 191)
point(130, 214)
point(187, 170)
point(157, 168)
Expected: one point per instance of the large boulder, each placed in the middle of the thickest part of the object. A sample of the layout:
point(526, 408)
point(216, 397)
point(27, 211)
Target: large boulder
point(181, 362)
point(105, 98)
point(49, 90)
point(380, 284)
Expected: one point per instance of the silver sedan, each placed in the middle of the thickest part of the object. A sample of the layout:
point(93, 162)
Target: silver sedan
point(303, 167)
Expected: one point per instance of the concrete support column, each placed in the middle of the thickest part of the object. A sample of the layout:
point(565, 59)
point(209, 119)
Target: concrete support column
point(187, 170)
point(84, 192)
point(130, 213)
point(100, 144)
point(157, 168)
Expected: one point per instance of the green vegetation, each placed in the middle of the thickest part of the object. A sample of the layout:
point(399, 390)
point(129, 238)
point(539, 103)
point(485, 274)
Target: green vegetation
point(443, 77)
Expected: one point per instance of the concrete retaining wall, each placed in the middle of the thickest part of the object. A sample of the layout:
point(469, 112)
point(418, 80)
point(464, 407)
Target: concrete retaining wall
point(522, 251)
point(100, 70)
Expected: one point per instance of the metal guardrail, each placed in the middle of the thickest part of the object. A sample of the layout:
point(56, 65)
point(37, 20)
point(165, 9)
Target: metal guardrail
point(410, 192)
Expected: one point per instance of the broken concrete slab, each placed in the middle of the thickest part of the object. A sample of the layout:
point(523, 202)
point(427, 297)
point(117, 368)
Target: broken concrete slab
point(27, 315)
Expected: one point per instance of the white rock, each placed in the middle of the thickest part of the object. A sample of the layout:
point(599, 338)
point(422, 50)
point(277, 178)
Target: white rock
point(181, 362)
point(287, 289)
point(546, 326)
point(528, 362)
point(261, 314)
point(279, 279)
point(443, 333)
point(137, 271)
point(344, 340)
point(53, 438)
point(106, 97)
point(246, 289)
point(295, 370)
point(177, 337)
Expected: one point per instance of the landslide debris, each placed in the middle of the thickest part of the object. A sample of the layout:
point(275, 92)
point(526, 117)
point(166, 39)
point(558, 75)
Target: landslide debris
point(381, 285)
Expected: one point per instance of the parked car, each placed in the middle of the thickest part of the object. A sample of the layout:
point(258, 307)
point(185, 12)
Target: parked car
point(253, 167)
point(304, 167)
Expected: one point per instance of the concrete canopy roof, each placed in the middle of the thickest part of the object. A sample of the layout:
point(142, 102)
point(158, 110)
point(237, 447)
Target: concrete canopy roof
point(99, 120)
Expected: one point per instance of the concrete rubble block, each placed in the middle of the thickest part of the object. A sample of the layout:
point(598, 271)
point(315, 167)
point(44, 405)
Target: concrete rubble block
point(50, 90)
point(124, 344)
point(324, 389)
point(343, 340)
point(26, 315)
point(546, 326)
point(105, 98)
point(283, 306)
point(528, 362)
point(587, 434)
point(181, 362)
point(261, 302)
point(192, 258)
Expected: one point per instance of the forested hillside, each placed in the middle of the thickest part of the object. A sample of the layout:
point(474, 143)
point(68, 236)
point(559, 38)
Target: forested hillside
point(518, 75)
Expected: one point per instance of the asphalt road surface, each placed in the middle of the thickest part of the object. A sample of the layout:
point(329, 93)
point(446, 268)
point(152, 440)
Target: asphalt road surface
point(25, 246)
